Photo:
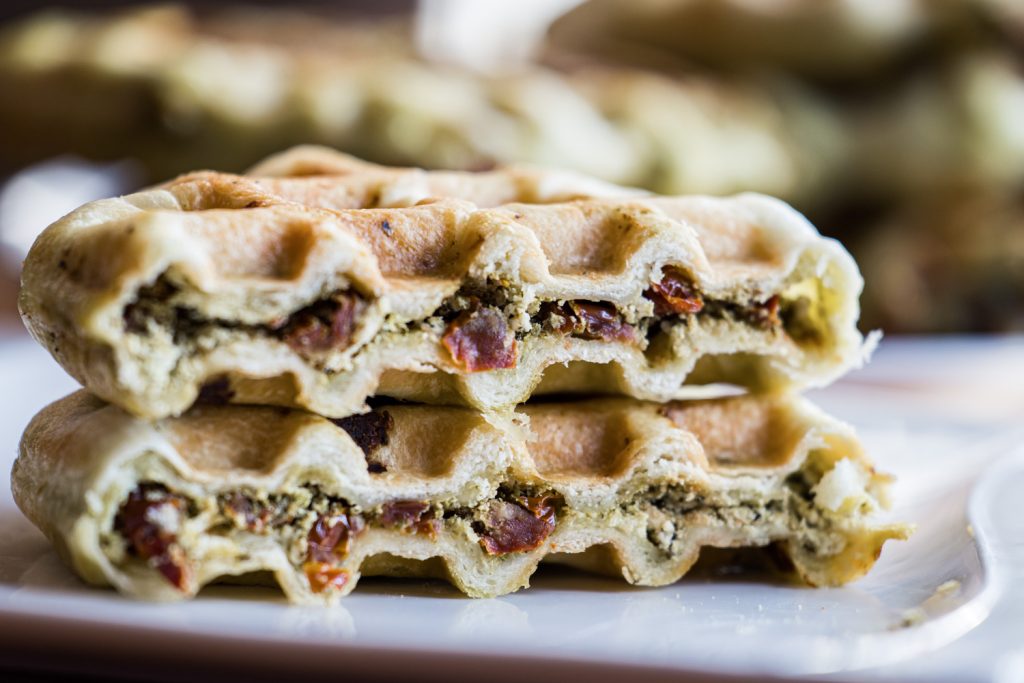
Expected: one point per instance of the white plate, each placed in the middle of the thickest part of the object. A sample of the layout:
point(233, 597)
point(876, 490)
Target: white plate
point(917, 614)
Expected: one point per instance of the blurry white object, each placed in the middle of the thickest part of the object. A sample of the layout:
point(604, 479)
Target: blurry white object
point(485, 35)
point(40, 194)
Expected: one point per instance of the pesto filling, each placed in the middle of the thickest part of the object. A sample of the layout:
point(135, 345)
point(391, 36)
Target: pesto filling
point(315, 334)
point(317, 529)
point(672, 510)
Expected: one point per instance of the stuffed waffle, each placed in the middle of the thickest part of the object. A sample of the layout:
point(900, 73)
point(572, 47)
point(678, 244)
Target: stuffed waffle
point(304, 291)
point(157, 510)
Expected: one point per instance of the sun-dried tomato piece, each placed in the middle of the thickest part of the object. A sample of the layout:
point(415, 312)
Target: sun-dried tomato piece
point(241, 510)
point(322, 326)
point(539, 505)
point(675, 294)
point(329, 541)
point(173, 568)
point(323, 575)
point(588, 319)
point(765, 314)
point(331, 536)
point(139, 521)
point(558, 317)
point(517, 526)
point(370, 432)
point(411, 515)
point(600, 321)
point(480, 340)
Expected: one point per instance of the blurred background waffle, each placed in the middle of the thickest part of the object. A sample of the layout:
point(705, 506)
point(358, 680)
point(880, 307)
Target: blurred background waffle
point(896, 125)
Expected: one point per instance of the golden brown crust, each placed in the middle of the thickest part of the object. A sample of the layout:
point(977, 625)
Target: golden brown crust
point(606, 462)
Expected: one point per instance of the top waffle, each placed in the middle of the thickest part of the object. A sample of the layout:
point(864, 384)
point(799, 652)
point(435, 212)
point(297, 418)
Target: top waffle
point(306, 291)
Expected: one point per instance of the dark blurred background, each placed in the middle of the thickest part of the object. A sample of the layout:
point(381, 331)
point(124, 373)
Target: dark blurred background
point(895, 125)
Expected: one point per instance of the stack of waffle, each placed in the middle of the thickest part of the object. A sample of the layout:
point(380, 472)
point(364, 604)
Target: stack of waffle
point(321, 370)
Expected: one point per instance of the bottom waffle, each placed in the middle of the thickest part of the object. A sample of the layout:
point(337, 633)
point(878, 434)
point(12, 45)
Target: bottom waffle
point(158, 510)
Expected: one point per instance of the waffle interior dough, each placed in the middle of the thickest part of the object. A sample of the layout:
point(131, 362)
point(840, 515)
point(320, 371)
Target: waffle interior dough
point(243, 281)
point(159, 509)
